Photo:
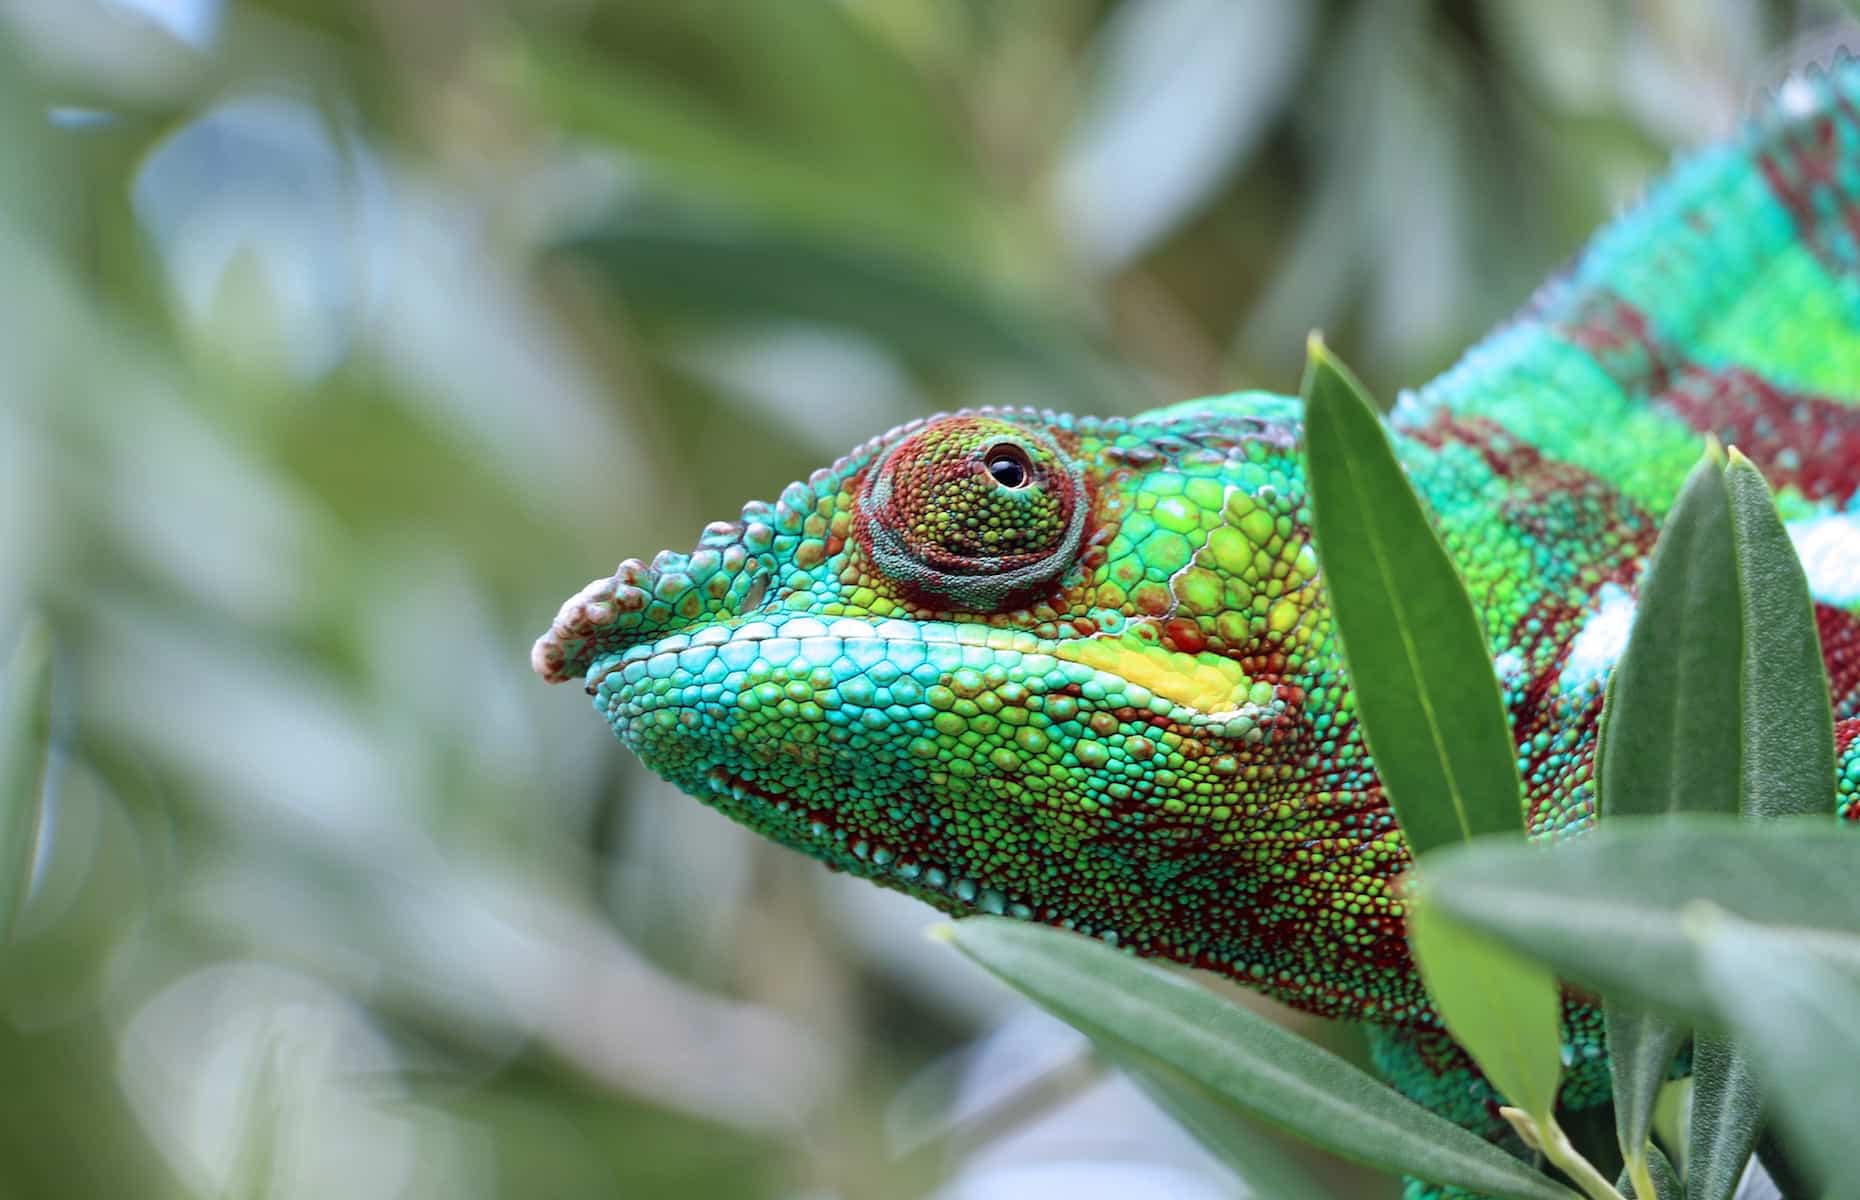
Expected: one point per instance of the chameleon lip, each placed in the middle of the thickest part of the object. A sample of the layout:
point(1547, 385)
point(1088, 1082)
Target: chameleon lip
point(787, 634)
point(739, 788)
point(907, 868)
point(817, 822)
point(940, 639)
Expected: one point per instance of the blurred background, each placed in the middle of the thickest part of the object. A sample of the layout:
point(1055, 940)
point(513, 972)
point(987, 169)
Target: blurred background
point(340, 340)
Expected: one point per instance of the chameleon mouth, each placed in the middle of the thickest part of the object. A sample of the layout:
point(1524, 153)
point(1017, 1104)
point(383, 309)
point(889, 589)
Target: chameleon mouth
point(818, 830)
point(818, 825)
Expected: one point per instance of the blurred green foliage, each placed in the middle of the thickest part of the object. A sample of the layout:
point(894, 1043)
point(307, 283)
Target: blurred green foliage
point(343, 338)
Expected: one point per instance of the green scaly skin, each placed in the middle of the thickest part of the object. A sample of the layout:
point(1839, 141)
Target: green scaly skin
point(1082, 671)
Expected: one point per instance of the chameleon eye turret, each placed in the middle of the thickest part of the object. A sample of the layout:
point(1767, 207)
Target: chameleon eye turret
point(974, 513)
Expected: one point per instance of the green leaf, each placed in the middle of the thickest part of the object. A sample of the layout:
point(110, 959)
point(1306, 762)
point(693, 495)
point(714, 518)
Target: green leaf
point(1788, 736)
point(1641, 1044)
point(1720, 703)
point(1130, 1007)
point(681, 265)
point(1419, 666)
point(1432, 714)
point(1233, 1138)
point(1599, 764)
point(1726, 1115)
point(1671, 1114)
point(1504, 1008)
point(25, 747)
point(1641, 1047)
point(1787, 768)
point(1671, 737)
point(1666, 1183)
point(1798, 1009)
point(1609, 909)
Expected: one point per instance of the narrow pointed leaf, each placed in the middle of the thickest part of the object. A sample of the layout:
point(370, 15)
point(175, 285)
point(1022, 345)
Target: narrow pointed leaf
point(1609, 909)
point(1130, 1007)
point(1419, 666)
point(1231, 1136)
point(1432, 713)
point(1726, 1115)
point(1788, 737)
point(1666, 1183)
point(1670, 742)
point(1720, 703)
point(1641, 1048)
point(1669, 739)
point(1787, 768)
point(1641, 1043)
point(1503, 1007)
point(25, 742)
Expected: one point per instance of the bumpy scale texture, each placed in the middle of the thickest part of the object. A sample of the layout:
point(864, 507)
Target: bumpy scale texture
point(1082, 671)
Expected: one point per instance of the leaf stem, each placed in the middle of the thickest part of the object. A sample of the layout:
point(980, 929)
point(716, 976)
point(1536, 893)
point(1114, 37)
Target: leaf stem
point(1548, 1137)
point(1640, 1174)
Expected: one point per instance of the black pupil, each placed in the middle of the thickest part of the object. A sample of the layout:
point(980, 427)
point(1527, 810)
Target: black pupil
point(1009, 468)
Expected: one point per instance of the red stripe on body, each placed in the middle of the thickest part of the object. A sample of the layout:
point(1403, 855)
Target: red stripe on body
point(1840, 650)
point(1803, 173)
point(1800, 439)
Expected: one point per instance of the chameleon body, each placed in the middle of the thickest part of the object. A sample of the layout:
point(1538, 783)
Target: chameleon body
point(1082, 671)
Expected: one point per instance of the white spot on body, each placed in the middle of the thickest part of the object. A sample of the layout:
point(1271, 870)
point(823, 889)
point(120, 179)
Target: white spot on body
point(1796, 96)
point(1829, 547)
point(1600, 641)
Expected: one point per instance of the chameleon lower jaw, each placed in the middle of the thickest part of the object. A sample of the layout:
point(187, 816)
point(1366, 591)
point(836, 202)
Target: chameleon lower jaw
point(814, 832)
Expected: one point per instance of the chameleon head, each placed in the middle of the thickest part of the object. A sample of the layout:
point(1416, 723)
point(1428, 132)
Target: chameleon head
point(1069, 669)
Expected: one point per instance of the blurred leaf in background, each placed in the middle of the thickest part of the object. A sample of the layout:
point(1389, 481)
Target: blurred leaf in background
point(343, 338)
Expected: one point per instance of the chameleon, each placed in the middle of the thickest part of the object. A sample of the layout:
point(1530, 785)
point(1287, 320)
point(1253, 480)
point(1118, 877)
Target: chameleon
point(1081, 670)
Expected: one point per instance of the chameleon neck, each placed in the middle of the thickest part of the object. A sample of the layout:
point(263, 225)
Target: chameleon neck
point(1549, 552)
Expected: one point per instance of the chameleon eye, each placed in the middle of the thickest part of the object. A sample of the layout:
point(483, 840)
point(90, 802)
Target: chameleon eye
point(974, 512)
point(1009, 466)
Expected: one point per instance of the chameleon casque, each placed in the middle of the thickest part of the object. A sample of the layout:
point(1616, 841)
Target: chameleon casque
point(1082, 671)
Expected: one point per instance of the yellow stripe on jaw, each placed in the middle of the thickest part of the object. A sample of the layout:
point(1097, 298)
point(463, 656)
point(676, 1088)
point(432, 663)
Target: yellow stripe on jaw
point(1205, 682)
